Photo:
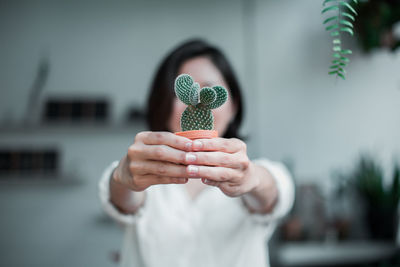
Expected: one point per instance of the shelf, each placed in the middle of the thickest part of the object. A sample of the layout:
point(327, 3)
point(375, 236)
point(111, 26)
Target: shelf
point(72, 128)
point(39, 180)
point(334, 254)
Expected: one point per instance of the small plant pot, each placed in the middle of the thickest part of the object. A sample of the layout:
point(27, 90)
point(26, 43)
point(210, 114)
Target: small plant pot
point(198, 134)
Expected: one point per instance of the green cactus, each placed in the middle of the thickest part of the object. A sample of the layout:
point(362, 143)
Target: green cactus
point(198, 115)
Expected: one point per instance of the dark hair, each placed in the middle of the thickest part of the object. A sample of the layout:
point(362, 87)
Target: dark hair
point(161, 96)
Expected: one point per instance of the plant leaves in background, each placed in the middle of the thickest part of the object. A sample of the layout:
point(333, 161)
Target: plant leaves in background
point(336, 24)
point(376, 25)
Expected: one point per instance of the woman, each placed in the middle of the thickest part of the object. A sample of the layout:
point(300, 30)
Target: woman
point(194, 203)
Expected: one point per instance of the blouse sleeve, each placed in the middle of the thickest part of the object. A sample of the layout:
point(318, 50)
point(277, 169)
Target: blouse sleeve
point(286, 192)
point(109, 208)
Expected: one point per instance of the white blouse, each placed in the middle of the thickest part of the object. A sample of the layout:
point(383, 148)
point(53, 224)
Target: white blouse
point(171, 229)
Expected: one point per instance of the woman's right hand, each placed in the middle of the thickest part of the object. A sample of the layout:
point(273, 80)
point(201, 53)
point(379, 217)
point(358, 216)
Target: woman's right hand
point(154, 158)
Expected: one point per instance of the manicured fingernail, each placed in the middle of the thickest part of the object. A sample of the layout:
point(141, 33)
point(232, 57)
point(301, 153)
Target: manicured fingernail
point(205, 181)
point(188, 146)
point(190, 158)
point(193, 170)
point(197, 144)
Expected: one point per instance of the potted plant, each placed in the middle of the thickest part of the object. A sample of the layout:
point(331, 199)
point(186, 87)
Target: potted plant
point(197, 120)
point(381, 203)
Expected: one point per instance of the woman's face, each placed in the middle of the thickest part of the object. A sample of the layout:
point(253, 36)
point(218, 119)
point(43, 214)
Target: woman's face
point(205, 73)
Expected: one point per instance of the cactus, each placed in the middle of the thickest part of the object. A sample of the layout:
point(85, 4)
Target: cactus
point(198, 115)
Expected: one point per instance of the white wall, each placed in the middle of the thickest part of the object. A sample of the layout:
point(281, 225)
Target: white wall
point(308, 116)
point(104, 47)
point(296, 111)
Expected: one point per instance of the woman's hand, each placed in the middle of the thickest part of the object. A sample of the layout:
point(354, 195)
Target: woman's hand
point(153, 158)
point(224, 163)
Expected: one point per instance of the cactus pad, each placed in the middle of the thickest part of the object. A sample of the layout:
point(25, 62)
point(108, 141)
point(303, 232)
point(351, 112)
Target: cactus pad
point(198, 115)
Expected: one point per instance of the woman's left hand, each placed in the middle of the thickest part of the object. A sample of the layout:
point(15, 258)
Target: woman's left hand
point(223, 163)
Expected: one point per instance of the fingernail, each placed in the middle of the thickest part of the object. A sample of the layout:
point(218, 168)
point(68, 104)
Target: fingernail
point(188, 146)
point(190, 158)
point(197, 144)
point(193, 169)
point(205, 181)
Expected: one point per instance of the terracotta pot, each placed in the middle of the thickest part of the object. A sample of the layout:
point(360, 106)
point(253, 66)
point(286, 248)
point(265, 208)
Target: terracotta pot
point(198, 134)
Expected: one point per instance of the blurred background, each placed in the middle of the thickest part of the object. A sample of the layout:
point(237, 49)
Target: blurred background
point(74, 77)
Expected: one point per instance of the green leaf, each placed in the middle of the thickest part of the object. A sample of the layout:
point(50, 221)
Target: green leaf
point(338, 62)
point(341, 75)
point(329, 8)
point(330, 19)
point(355, 1)
point(336, 41)
point(334, 67)
point(345, 22)
point(327, 1)
point(335, 33)
point(347, 29)
point(334, 26)
point(346, 52)
point(336, 55)
point(345, 59)
point(337, 48)
point(344, 3)
point(333, 72)
point(341, 70)
point(345, 14)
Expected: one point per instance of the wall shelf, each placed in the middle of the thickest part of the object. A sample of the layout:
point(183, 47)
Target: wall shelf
point(39, 180)
point(334, 254)
point(72, 128)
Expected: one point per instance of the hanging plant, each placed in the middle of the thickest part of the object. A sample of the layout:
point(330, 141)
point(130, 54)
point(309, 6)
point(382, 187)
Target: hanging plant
point(340, 20)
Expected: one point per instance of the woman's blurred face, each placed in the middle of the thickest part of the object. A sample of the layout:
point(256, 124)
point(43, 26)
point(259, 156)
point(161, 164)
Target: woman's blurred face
point(205, 73)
